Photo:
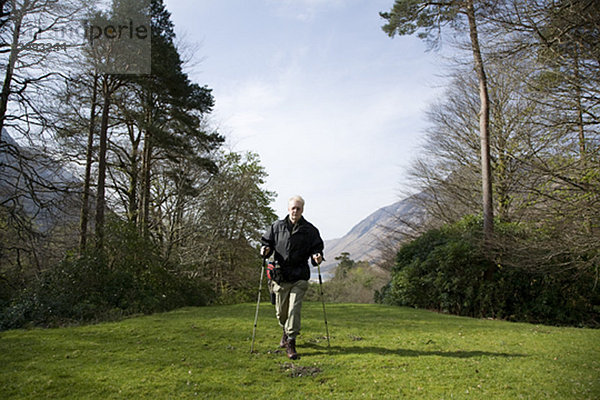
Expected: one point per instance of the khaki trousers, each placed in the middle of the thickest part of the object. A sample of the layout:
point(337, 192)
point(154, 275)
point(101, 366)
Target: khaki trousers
point(288, 305)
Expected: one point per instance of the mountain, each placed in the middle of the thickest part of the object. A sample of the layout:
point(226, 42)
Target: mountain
point(363, 240)
point(35, 185)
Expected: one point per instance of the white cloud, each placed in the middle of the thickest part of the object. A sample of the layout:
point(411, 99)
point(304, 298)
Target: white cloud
point(332, 106)
point(342, 153)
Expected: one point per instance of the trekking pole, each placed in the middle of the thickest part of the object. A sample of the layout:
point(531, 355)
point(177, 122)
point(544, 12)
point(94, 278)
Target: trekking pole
point(323, 302)
point(262, 271)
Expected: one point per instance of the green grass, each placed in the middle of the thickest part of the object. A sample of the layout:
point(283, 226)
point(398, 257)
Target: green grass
point(376, 352)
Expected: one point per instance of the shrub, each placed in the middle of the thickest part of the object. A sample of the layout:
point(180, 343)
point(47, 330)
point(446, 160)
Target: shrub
point(445, 270)
point(128, 278)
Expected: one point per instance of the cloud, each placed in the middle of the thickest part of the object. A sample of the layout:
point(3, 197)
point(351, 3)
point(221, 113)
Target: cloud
point(303, 10)
point(333, 107)
point(338, 144)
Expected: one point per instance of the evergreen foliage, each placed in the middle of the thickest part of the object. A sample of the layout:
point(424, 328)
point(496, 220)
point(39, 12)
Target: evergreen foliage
point(444, 270)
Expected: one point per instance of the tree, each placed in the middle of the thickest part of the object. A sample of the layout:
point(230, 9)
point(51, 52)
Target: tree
point(428, 17)
point(147, 141)
point(562, 38)
point(172, 111)
point(92, 76)
point(223, 225)
point(148, 124)
point(73, 113)
point(110, 84)
point(448, 168)
point(345, 264)
point(542, 66)
point(85, 197)
point(37, 207)
point(36, 192)
point(28, 34)
point(4, 13)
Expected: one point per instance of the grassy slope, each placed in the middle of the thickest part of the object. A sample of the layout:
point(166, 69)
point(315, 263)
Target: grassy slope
point(376, 352)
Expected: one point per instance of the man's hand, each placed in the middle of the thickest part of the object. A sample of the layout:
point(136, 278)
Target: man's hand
point(265, 250)
point(318, 258)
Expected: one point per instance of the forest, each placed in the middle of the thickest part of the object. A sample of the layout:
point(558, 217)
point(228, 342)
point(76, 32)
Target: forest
point(118, 196)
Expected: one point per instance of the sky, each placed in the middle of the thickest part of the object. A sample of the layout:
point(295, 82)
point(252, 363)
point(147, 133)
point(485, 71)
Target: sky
point(334, 107)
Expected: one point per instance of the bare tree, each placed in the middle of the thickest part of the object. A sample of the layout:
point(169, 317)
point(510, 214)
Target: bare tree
point(35, 188)
point(32, 41)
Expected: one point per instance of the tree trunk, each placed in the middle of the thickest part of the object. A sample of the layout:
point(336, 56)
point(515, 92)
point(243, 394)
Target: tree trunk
point(84, 216)
point(578, 96)
point(147, 159)
point(132, 193)
point(145, 196)
point(100, 199)
point(484, 122)
point(10, 68)
point(484, 134)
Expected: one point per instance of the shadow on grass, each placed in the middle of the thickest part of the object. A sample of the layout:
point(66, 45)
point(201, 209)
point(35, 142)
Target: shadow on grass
point(319, 349)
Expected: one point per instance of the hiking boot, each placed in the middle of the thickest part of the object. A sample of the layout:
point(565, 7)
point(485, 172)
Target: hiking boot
point(291, 349)
point(284, 340)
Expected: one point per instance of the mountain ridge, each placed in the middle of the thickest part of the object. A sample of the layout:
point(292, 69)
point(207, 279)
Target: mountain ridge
point(363, 240)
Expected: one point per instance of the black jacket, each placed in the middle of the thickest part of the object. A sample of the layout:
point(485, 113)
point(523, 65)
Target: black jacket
point(293, 246)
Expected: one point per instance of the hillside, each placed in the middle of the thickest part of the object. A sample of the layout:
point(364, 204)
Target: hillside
point(33, 182)
point(362, 241)
point(378, 352)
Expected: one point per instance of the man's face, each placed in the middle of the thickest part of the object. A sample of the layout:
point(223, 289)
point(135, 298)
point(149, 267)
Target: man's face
point(295, 210)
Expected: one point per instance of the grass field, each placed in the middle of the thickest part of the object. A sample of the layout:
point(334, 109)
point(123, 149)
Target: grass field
point(376, 352)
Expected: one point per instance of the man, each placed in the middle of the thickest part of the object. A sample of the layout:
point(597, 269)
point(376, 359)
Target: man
point(294, 241)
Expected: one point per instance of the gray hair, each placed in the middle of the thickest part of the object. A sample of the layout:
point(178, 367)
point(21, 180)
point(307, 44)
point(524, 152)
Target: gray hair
point(297, 198)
